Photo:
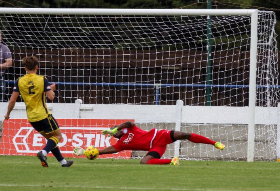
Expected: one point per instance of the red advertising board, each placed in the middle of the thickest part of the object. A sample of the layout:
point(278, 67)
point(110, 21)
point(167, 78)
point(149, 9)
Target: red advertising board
point(19, 137)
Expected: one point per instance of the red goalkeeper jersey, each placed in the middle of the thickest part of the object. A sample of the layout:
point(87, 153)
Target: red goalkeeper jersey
point(135, 138)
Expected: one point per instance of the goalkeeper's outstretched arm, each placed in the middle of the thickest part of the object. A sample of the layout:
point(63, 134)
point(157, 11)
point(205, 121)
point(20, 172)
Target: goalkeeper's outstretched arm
point(79, 151)
point(108, 150)
point(127, 124)
point(112, 131)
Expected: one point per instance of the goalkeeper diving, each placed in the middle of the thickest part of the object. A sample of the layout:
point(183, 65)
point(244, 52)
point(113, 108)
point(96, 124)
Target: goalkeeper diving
point(154, 141)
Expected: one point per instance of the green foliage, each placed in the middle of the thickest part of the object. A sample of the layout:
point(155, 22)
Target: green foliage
point(99, 3)
point(141, 4)
point(137, 3)
point(241, 3)
point(182, 3)
point(26, 174)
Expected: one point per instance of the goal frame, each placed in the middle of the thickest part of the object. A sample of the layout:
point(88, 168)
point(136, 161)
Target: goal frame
point(253, 13)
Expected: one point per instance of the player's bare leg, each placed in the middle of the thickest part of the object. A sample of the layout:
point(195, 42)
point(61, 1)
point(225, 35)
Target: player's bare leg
point(146, 158)
point(195, 138)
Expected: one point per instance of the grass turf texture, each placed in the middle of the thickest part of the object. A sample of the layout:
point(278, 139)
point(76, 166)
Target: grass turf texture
point(25, 173)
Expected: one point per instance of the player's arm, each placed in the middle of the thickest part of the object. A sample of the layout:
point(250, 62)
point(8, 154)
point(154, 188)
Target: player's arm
point(11, 104)
point(108, 150)
point(8, 63)
point(12, 100)
point(79, 151)
point(115, 129)
point(128, 124)
point(50, 93)
point(49, 89)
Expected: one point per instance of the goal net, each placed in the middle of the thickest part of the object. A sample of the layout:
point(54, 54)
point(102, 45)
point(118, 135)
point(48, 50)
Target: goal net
point(115, 65)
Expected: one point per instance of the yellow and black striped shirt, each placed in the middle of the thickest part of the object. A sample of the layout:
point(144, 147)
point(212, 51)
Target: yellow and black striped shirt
point(32, 88)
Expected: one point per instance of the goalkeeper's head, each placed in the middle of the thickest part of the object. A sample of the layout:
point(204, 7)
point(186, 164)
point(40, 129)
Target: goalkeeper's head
point(119, 134)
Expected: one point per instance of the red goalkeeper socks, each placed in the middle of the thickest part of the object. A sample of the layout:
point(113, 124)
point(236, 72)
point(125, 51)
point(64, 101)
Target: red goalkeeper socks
point(201, 139)
point(159, 161)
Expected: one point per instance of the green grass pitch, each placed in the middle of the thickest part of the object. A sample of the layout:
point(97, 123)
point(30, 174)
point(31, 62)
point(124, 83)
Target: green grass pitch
point(24, 173)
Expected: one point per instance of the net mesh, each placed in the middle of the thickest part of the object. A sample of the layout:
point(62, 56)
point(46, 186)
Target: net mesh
point(148, 60)
point(145, 59)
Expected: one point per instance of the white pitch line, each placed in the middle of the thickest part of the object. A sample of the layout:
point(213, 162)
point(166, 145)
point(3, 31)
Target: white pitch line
point(97, 187)
point(114, 164)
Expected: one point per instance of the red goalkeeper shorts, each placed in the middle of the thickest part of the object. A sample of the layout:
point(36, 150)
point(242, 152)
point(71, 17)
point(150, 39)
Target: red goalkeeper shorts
point(159, 144)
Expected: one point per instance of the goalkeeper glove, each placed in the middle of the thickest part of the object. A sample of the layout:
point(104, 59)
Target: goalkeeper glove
point(79, 151)
point(110, 132)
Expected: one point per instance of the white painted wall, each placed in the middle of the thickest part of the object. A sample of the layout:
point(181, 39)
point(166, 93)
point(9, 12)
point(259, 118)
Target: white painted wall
point(176, 114)
point(151, 113)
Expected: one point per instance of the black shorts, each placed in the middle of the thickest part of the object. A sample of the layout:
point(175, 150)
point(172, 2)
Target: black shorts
point(48, 125)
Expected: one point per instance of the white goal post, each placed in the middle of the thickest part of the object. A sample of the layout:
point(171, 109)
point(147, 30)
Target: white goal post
point(148, 55)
